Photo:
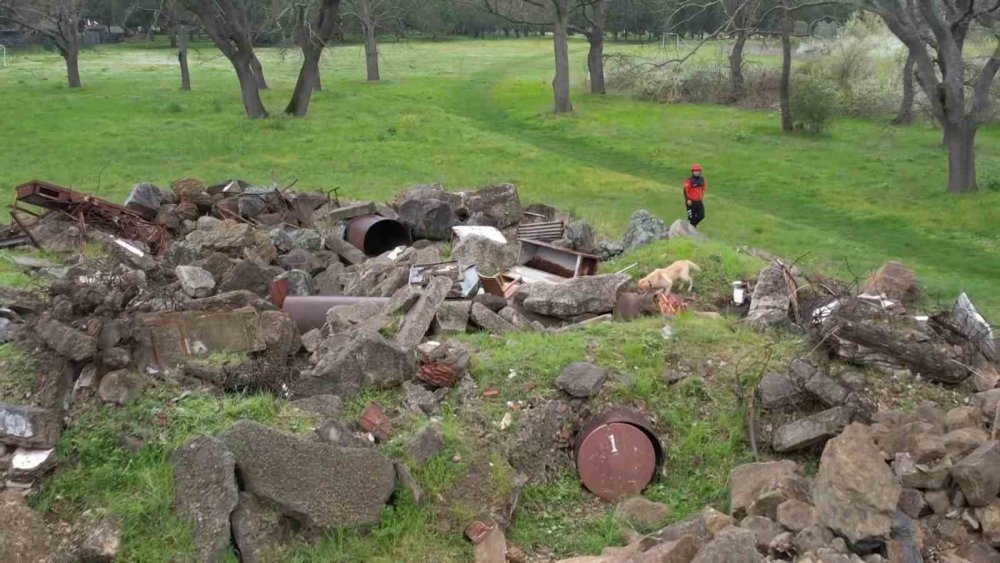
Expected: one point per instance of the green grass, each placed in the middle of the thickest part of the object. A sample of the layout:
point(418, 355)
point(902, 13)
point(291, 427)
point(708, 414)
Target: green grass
point(466, 113)
point(17, 374)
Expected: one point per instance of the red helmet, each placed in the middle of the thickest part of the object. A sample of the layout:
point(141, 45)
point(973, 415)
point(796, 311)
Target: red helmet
point(696, 167)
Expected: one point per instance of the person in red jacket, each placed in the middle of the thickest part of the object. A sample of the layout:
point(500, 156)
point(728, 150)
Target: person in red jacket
point(694, 195)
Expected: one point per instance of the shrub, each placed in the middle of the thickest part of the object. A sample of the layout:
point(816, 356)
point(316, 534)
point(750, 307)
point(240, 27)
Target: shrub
point(814, 101)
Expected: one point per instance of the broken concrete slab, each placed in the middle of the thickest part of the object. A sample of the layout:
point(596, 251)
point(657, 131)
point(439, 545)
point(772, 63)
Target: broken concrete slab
point(195, 282)
point(418, 320)
point(66, 340)
point(489, 321)
point(28, 465)
point(120, 387)
point(978, 474)
point(228, 301)
point(489, 256)
point(770, 302)
point(333, 486)
point(453, 317)
point(176, 336)
point(516, 319)
point(811, 430)
point(425, 444)
point(581, 379)
point(29, 426)
point(29, 540)
point(778, 391)
point(357, 361)
point(103, 542)
point(594, 295)
point(344, 249)
point(205, 481)
point(324, 406)
point(257, 530)
point(280, 335)
point(249, 275)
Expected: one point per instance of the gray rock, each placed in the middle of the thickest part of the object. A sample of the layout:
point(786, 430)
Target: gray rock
point(499, 203)
point(428, 218)
point(811, 430)
point(731, 545)
point(195, 282)
point(207, 222)
point(578, 296)
point(987, 401)
point(333, 486)
point(516, 319)
point(299, 282)
point(453, 317)
point(490, 257)
point(66, 340)
point(812, 538)
point(962, 417)
point(280, 334)
point(217, 264)
point(302, 259)
point(324, 406)
point(228, 301)
point(750, 481)
point(581, 379)
point(855, 492)
point(345, 250)
point(978, 474)
point(120, 387)
point(643, 228)
point(287, 240)
point(964, 441)
point(248, 275)
point(103, 542)
point(489, 321)
point(609, 249)
point(581, 236)
point(641, 513)
point(335, 433)
point(492, 302)
point(206, 493)
point(227, 236)
point(894, 280)
point(145, 199)
point(796, 515)
point(912, 503)
point(28, 426)
point(116, 358)
point(355, 362)
point(406, 478)
point(779, 391)
point(418, 320)
point(682, 228)
point(770, 302)
point(538, 446)
point(764, 530)
point(425, 444)
point(328, 282)
point(420, 399)
point(256, 528)
point(975, 328)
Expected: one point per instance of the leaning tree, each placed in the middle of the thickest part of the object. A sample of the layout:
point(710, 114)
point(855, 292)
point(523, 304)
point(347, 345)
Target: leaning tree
point(936, 34)
point(313, 38)
point(230, 25)
point(56, 20)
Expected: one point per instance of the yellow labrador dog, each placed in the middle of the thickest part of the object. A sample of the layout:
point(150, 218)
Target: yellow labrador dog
point(664, 279)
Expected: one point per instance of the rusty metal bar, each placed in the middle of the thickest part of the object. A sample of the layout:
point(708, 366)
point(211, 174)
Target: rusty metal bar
point(24, 229)
point(544, 231)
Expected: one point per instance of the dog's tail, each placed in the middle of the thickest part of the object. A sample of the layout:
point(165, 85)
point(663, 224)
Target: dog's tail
point(693, 266)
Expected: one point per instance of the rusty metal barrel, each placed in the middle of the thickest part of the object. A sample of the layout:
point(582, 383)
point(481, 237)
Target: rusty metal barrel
point(309, 311)
point(617, 453)
point(374, 234)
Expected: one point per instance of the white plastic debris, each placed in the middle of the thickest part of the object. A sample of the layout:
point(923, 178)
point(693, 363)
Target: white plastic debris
point(464, 231)
point(396, 252)
point(29, 460)
point(667, 332)
point(506, 421)
point(128, 247)
point(739, 292)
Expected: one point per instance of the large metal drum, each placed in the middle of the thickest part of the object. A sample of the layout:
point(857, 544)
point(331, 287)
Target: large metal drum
point(617, 454)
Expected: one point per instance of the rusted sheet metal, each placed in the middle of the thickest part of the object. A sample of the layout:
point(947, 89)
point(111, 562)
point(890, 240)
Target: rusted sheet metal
point(544, 231)
point(309, 311)
point(374, 234)
point(92, 211)
point(176, 336)
point(556, 260)
point(617, 454)
point(670, 304)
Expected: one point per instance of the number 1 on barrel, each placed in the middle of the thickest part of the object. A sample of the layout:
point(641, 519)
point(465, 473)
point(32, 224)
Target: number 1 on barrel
point(614, 447)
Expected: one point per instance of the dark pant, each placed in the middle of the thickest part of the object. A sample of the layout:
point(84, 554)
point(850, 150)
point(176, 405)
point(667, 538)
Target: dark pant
point(696, 212)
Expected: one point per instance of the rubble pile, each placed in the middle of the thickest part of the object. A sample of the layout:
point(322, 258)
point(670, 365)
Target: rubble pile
point(918, 487)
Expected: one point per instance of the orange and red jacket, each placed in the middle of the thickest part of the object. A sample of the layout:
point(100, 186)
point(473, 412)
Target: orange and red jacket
point(693, 192)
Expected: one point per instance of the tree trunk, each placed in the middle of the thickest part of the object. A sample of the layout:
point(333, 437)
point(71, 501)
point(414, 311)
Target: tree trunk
point(174, 40)
point(317, 81)
point(736, 65)
point(249, 88)
point(308, 75)
point(182, 57)
point(595, 57)
point(905, 116)
point(961, 143)
point(371, 52)
point(258, 71)
point(73, 68)
point(786, 68)
point(560, 40)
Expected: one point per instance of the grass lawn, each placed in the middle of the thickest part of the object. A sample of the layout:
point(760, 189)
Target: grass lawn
point(466, 113)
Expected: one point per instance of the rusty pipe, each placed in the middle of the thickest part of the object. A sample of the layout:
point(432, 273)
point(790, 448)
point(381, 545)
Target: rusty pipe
point(309, 311)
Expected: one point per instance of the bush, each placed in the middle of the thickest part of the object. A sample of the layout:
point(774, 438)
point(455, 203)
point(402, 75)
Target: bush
point(814, 101)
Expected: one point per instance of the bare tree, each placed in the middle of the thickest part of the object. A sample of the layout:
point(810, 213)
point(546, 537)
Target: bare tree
point(173, 16)
point(56, 20)
point(743, 18)
point(229, 25)
point(785, 89)
point(554, 13)
point(596, 19)
point(935, 32)
point(313, 38)
point(371, 14)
